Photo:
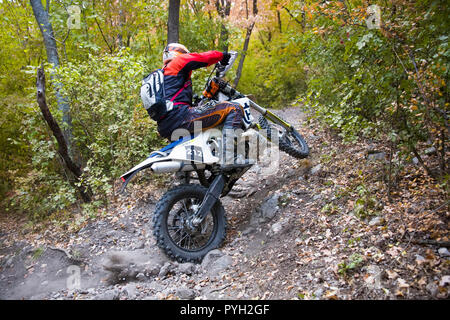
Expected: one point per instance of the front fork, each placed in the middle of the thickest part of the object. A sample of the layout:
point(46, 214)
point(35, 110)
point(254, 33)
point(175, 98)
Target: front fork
point(211, 197)
point(217, 186)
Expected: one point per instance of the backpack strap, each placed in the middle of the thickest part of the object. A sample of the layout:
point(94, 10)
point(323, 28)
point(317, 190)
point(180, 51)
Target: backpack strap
point(187, 84)
point(161, 81)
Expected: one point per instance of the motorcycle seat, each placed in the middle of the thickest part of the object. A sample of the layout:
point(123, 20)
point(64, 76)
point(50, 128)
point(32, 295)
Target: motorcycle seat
point(166, 150)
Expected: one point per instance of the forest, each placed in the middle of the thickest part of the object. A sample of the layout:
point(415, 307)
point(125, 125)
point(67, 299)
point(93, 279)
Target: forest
point(367, 80)
point(375, 70)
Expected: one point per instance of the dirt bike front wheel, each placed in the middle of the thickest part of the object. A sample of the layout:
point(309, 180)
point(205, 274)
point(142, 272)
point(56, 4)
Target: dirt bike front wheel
point(172, 226)
point(289, 140)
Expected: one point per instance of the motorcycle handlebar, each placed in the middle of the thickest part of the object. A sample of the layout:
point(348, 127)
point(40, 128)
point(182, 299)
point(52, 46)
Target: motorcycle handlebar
point(221, 69)
point(227, 89)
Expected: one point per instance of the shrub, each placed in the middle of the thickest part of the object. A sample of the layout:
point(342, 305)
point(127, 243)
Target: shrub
point(111, 132)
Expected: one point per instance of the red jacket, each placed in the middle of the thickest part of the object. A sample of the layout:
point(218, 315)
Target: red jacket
point(178, 86)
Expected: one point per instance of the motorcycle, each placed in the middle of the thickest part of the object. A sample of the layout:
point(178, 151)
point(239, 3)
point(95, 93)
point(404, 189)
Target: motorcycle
point(189, 220)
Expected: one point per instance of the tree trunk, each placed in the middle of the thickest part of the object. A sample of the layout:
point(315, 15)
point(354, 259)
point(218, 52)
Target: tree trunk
point(279, 21)
point(173, 22)
point(58, 134)
point(121, 23)
point(111, 50)
point(45, 26)
point(246, 43)
point(244, 53)
point(123, 30)
point(223, 9)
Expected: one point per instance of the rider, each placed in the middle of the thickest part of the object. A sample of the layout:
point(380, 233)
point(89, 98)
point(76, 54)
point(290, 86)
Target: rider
point(178, 66)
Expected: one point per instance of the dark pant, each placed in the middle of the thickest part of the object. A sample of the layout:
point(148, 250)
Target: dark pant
point(210, 116)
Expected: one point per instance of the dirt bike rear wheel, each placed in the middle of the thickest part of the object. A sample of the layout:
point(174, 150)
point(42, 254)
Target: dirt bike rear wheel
point(289, 140)
point(171, 228)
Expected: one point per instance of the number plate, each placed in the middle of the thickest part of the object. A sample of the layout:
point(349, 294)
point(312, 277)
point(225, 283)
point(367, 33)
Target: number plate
point(194, 153)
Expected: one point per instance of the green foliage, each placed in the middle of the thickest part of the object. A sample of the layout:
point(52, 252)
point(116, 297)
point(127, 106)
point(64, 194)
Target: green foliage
point(274, 74)
point(347, 97)
point(353, 263)
point(13, 149)
point(388, 83)
point(198, 31)
point(42, 187)
point(353, 241)
point(330, 209)
point(391, 81)
point(111, 130)
point(38, 253)
point(366, 205)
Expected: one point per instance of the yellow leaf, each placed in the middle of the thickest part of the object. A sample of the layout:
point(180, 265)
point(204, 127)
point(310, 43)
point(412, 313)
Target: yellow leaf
point(399, 293)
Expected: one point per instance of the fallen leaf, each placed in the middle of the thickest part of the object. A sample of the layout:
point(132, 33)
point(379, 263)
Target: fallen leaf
point(422, 281)
point(402, 283)
point(331, 295)
point(430, 255)
point(398, 293)
point(392, 274)
point(394, 251)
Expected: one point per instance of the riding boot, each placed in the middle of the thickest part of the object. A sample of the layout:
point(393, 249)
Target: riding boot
point(230, 159)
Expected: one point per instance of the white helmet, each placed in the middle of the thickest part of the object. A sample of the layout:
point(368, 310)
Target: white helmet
point(172, 50)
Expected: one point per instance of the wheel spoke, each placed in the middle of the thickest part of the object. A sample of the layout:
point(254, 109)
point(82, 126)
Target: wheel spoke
point(189, 242)
point(185, 208)
point(181, 240)
point(179, 231)
point(196, 242)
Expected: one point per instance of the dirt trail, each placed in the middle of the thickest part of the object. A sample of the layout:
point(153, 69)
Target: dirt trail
point(280, 245)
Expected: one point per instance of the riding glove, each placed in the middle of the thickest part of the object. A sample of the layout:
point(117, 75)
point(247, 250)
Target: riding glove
point(225, 59)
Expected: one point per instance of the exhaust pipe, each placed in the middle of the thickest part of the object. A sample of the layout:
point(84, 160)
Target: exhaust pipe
point(173, 166)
